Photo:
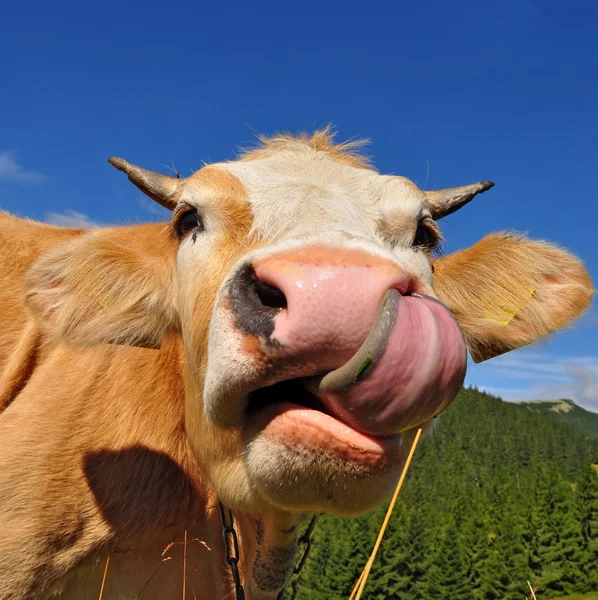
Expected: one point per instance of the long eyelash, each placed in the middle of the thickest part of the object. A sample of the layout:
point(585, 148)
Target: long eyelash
point(437, 245)
point(438, 250)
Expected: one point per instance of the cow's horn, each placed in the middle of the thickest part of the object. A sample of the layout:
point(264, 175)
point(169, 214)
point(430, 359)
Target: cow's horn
point(161, 188)
point(445, 202)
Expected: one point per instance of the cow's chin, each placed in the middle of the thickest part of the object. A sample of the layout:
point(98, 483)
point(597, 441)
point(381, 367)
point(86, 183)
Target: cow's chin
point(300, 458)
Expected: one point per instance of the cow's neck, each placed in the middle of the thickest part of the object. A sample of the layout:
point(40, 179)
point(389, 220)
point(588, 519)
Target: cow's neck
point(268, 545)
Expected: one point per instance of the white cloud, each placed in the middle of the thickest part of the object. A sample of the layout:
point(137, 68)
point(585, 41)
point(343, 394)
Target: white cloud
point(11, 170)
point(585, 385)
point(540, 376)
point(71, 218)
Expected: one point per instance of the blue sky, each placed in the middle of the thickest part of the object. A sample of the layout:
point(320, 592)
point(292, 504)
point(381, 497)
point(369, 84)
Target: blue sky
point(449, 93)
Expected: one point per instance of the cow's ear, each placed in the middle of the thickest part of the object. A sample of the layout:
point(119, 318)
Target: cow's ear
point(99, 290)
point(507, 291)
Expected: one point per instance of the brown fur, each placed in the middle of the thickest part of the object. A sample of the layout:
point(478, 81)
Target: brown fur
point(19, 367)
point(99, 288)
point(21, 242)
point(229, 206)
point(115, 475)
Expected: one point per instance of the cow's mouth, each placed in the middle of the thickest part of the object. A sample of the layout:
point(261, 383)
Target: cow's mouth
point(289, 392)
point(406, 371)
point(289, 414)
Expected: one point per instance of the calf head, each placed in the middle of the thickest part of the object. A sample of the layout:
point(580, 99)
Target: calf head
point(318, 329)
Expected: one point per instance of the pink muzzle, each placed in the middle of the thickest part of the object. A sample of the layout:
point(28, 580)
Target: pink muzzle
point(381, 357)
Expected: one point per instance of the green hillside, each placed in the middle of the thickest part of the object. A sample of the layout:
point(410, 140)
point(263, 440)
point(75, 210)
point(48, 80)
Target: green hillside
point(567, 412)
point(496, 495)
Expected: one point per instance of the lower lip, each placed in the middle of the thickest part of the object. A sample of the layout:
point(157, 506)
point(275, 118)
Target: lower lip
point(299, 429)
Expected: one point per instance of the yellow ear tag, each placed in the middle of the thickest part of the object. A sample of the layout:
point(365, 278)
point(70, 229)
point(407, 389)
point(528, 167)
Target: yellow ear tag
point(510, 314)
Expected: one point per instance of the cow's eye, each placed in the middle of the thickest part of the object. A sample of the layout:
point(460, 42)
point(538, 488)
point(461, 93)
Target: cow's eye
point(425, 236)
point(189, 221)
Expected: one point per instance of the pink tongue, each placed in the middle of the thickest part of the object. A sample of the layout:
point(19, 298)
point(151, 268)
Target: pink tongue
point(409, 368)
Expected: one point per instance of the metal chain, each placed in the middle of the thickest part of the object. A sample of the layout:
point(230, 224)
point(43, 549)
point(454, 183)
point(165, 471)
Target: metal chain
point(232, 549)
point(232, 558)
point(304, 539)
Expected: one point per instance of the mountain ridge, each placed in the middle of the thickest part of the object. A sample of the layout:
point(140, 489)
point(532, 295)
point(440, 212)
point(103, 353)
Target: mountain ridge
point(565, 411)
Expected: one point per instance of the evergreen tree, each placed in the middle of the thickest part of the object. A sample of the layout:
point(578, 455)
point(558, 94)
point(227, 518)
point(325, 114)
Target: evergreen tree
point(496, 495)
point(587, 499)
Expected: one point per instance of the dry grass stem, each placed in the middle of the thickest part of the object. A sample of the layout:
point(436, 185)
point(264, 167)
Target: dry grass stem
point(360, 585)
point(185, 566)
point(531, 589)
point(151, 577)
point(104, 578)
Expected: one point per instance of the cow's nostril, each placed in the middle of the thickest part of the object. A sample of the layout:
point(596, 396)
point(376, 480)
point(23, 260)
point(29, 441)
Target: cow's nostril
point(269, 295)
point(254, 303)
